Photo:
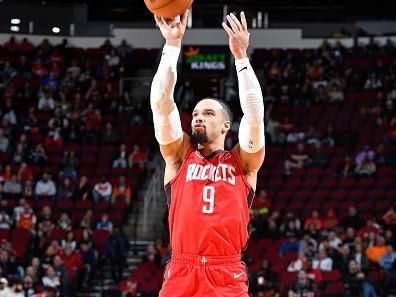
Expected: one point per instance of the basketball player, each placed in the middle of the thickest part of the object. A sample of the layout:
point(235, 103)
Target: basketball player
point(209, 190)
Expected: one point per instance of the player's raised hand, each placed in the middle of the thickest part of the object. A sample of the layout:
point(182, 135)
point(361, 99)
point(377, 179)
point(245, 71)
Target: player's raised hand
point(173, 28)
point(238, 35)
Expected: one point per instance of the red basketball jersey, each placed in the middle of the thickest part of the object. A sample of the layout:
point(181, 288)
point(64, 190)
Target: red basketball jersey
point(208, 202)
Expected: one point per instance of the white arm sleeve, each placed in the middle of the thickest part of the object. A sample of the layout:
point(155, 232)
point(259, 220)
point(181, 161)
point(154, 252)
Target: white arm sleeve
point(251, 129)
point(166, 116)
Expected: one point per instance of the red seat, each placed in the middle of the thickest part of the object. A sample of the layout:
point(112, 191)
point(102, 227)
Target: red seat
point(356, 195)
point(100, 237)
point(366, 183)
point(83, 205)
point(331, 276)
point(338, 195)
point(4, 234)
point(334, 289)
point(65, 206)
point(56, 234)
point(20, 239)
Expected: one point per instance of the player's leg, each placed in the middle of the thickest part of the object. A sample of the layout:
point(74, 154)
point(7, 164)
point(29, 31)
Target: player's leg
point(181, 280)
point(227, 280)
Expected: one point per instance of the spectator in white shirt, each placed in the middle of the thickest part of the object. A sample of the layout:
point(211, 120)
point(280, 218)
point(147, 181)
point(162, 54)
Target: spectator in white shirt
point(45, 187)
point(334, 241)
point(46, 102)
point(102, 190)
point(323, 262)
point(5, 221)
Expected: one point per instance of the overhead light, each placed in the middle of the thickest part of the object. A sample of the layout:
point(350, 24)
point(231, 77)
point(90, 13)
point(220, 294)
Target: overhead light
point(14, 28)
point(15, 21)
point(55, 30)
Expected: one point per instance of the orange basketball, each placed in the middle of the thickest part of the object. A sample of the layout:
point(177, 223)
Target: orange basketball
point(168, 8)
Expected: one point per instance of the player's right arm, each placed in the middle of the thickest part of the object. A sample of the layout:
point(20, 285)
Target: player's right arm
point(167, 125)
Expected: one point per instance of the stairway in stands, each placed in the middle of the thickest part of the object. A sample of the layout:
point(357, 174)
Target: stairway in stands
point(140, 232)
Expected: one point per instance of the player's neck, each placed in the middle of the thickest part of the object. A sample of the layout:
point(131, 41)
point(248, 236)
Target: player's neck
point(209, 148)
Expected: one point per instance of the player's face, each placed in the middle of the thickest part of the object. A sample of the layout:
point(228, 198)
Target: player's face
point(208, 120)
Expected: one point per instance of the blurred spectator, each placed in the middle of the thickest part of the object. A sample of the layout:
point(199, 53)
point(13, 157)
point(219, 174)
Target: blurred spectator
point(46, 102)
point(312, 137)
point(116, 251)
point(360, 257)
point(45, 188)
point(24, 173)
point(265, 280)
point(355, 282)
point(66, 190)
point(102, 190)
point(71, 260)
point(70, 241)
point(110, 136)
point(319, 157)
point(315, 220)
point(69, 165)
point(335, 94)
point(137, 156)
point(28, 192)
point(46, 224)
point(388, 260)
point(12, 188)
point(323, 262)
point(351, 220)
point(302, 287)
point(121, 160)
point(83, 191)
point(378, 250)
point(62, 274)
point(5, 221)
point(122, 191)
point(7, 266)
point(346, 169)
point(299, 159)
point(4, 141)
point(389, 217)
point(64, 222)
point(373, 82)
point(50, 278)
point(87, 221)
point(27, 219)
point(105, 223)
point(291, 244)
point(15, 289)
point(39, 156)
point(366, 153)
point(261, 204)
point(366, 168)
point(387, 114)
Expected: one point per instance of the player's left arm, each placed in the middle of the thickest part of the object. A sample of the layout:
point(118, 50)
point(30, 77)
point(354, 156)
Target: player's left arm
point(251, 147)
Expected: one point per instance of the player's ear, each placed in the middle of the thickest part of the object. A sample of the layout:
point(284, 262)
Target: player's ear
point(226, 127)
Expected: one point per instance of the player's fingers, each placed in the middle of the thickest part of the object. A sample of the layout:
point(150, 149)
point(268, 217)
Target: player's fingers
point(243, 21)
point(185, 17)
point(227, 29)
point(232, 24)
point(237, 22)
point(157, 19)
point(165, 24)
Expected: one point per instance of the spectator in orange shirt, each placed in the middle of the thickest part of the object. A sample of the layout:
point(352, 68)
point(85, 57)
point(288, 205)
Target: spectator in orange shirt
point(375, 252)
point(122, 191)
point(314, 220)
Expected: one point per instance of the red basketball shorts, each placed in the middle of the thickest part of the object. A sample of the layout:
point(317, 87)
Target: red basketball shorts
point(199, 276)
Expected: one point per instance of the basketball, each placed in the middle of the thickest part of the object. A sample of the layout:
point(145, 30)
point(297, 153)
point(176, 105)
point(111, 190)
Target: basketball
point(168, 8)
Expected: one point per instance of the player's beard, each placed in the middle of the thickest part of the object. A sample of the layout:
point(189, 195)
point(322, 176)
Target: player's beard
point(198, 138)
